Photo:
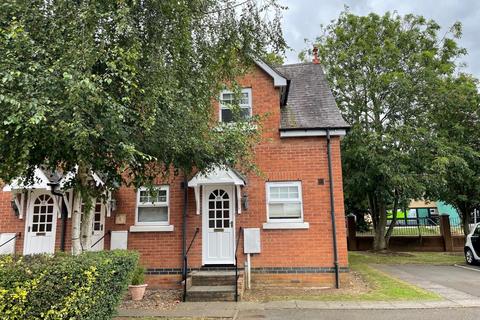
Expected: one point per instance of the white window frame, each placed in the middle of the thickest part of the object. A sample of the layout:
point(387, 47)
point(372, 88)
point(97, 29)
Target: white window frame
point(223, 107)
point(153, 204)
point(284, 184)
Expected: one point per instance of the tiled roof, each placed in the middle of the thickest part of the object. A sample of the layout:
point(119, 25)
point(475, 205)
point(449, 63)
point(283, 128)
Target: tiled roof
point(310, 103)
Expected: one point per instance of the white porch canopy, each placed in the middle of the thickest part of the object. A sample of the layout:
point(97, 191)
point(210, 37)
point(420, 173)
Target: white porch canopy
point(42, 180)
point(20, 190)
point(217, 176)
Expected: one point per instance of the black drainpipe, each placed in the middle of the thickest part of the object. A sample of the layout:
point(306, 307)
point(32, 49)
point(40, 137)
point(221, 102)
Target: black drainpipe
point(184, 224)
point(64, 214)
point(332, 212)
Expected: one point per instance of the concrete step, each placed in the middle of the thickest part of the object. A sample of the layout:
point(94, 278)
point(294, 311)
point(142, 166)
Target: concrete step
point(211, 293)
point(213, 278)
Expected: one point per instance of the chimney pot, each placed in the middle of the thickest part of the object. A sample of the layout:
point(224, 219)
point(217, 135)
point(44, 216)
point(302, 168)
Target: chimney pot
point(315, 55)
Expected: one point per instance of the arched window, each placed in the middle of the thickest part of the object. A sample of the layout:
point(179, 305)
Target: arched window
point(42, 220)
point(218, 209)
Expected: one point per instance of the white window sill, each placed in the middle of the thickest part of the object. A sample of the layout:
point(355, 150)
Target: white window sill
point(168, 228)
point(286, 225)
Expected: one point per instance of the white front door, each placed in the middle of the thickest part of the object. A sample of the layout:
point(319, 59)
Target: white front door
point(98, 226)
point(218, 225)
point(41, 225)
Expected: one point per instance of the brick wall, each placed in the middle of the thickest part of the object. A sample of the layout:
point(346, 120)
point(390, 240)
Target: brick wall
point(299, 159)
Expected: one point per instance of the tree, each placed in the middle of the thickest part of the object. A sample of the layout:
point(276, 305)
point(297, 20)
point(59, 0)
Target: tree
point(455, 123)
point(124, 88)
point(383, 71)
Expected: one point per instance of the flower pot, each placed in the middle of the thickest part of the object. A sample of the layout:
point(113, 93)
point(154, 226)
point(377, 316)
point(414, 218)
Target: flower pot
point(137, 292)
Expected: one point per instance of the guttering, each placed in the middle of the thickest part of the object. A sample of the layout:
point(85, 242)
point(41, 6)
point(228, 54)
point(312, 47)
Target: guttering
point(53, 186)
point(332, 212)
point(312, 132)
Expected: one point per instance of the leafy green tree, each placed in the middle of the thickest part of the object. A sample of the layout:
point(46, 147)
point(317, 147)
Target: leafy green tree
point(124, 88)
point(455, 123)
point(383, 71)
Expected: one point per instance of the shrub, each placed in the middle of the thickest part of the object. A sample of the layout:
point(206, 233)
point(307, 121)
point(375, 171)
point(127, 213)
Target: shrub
point(87, 286)
point(138, 277)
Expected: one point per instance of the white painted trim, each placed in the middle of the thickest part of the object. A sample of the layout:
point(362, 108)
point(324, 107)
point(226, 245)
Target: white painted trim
point(239, 200)
point(34, 194)
point(196, 189)
point(217, 176)
point(168, 228)
point(310, 133)
point(286, 225)
point(19, 204)
point(298, 184)
point(278, 79)
point(250, 102)
point(23, 199)
point(68, 201)
point(155, 204)
point(206, 192)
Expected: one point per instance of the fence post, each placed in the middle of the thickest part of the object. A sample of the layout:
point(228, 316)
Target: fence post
point(352, 232)
point(446, 232)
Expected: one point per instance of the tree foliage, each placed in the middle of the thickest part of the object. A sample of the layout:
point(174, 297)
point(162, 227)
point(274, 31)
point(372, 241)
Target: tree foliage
point(455, 125)
point(384, 71)
point(125, 88)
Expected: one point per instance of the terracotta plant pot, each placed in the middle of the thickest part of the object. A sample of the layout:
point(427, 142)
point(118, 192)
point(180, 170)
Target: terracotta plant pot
point(137, 292)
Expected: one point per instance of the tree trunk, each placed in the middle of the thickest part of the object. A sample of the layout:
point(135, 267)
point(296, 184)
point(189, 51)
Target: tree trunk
point(394, 220)
point(82, 223)
point(76, 222)
point(464, 216)
point(87, 223)
point(379, 237)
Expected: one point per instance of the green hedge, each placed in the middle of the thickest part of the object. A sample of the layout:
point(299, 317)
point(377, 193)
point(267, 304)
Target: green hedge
point(87, 286)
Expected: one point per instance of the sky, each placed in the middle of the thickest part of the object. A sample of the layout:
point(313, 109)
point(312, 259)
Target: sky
point(304, 17)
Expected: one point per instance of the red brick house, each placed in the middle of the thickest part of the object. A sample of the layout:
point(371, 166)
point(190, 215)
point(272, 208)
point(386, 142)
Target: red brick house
point(286, 214)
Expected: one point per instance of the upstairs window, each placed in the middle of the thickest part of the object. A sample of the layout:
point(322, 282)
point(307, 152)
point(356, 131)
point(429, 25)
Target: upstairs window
point(228, 100)
point(152, 208)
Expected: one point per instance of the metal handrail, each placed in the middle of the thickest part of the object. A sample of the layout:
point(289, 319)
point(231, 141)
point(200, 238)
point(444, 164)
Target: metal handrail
point(16, 235)
point(185, 266)
point(108, 232)
point(236, 264)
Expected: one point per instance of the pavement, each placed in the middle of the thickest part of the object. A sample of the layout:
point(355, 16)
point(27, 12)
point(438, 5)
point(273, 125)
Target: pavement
point(255, 310)
point(398, 314)
point(457, 285)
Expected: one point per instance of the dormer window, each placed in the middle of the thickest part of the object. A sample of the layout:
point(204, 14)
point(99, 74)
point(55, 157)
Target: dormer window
point(228, 100)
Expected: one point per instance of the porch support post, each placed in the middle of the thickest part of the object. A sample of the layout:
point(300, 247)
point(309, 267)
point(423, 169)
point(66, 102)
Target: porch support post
point(197, 199)
point(239, 199)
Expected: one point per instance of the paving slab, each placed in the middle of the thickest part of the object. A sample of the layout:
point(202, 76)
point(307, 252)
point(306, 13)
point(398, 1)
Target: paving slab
point(280, 305)
point(302, 304)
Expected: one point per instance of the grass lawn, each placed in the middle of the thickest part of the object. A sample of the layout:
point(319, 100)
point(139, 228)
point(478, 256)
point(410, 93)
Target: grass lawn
point(380, 286)
point(435, 258)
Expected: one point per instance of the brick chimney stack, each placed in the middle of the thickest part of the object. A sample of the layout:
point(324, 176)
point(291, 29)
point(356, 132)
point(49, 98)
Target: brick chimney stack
point(315, 55)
